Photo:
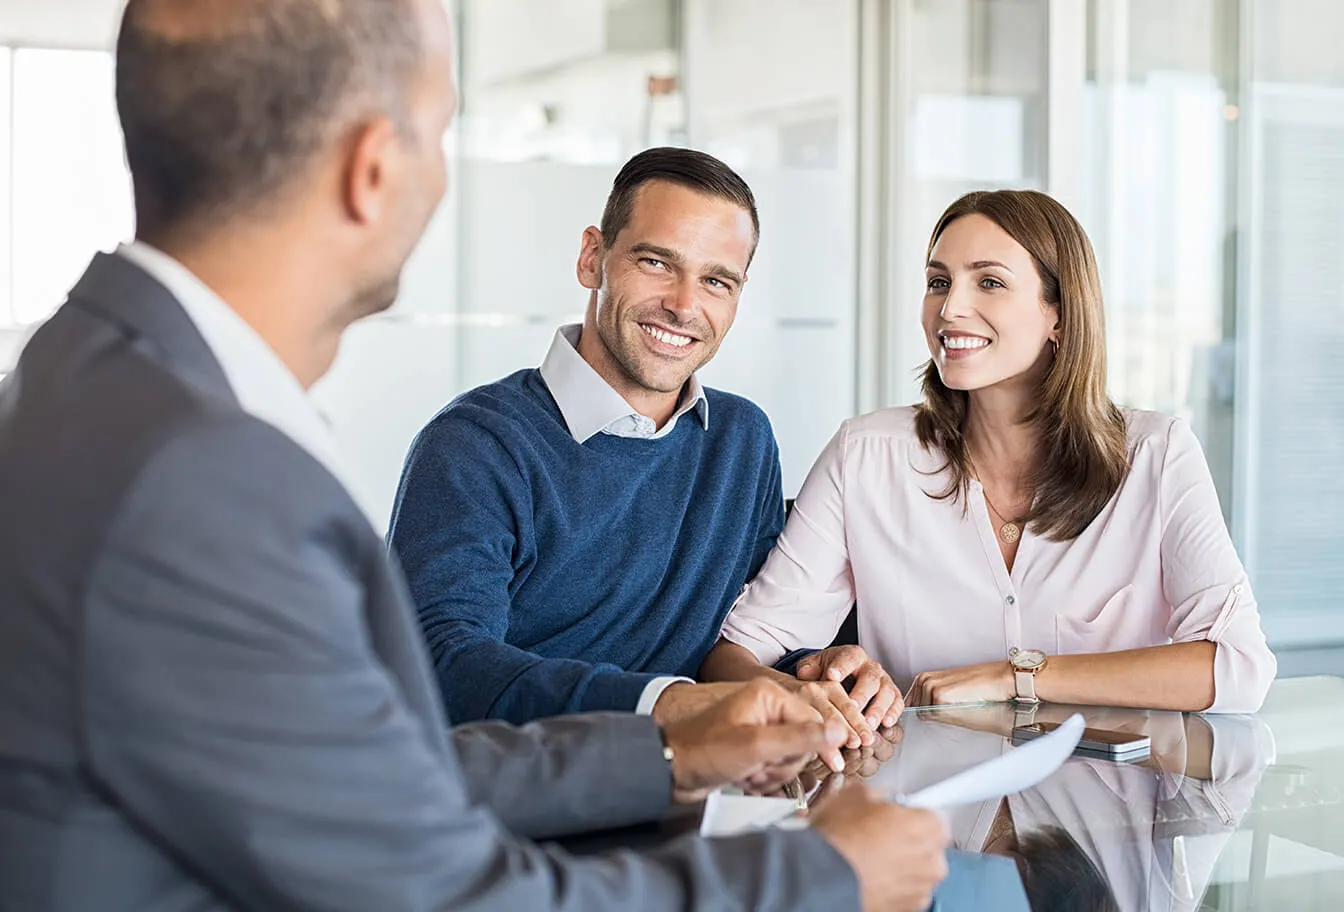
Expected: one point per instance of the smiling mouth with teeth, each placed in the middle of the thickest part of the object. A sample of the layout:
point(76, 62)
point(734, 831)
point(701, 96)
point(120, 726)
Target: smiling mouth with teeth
point(963, 343)
point(676, 341)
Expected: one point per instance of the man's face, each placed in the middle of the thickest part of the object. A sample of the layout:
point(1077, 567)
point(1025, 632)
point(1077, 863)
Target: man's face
point(417, 172)
point(668, 285)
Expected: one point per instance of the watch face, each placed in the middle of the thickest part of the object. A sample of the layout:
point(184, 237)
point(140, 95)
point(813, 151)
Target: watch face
point(1028, 658)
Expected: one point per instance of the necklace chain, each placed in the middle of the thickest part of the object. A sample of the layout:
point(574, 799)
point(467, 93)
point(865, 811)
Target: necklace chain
point(1011, 530)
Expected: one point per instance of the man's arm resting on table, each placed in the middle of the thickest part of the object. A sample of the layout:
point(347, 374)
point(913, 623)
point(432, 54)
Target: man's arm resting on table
point(235, 710)
point(482, 677)
point(574, 774)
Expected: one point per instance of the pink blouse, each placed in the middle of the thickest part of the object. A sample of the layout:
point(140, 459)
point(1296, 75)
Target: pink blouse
point(1156, 566)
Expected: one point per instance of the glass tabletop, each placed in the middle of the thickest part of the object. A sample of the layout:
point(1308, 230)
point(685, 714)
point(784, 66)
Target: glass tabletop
point(1227, 813)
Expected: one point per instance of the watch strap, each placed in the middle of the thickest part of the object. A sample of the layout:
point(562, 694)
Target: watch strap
point(1026, 686)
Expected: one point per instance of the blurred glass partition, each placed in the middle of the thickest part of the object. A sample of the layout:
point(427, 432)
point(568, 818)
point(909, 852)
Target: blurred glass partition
point(1159, 202)
point(772, 89)
point(970, 112)
point(1290, 390)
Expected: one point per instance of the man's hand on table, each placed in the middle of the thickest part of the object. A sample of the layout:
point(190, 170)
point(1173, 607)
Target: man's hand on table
point(755, 734)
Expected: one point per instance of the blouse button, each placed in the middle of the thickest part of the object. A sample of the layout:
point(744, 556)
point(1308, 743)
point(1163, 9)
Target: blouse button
point(1237, 588)
point(1011, 600)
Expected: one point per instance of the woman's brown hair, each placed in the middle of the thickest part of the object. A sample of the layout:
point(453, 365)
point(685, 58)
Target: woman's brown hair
point(1081, 433)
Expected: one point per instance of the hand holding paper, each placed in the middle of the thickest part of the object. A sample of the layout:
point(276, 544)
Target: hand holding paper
point(1015, 770)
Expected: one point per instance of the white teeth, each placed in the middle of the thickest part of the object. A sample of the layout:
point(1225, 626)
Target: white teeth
point(664, 336)
point(962, 342)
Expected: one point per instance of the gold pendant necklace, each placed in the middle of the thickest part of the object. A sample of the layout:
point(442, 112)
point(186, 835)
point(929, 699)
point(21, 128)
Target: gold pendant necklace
point(1011, 530)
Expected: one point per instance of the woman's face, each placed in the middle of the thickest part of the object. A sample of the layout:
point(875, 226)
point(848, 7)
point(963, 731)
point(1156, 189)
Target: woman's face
point(984, 318)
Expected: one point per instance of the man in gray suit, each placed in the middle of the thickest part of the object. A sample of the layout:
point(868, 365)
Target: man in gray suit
point(213, 693)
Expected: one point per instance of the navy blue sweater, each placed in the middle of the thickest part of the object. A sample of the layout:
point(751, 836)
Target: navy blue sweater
point(554, 577)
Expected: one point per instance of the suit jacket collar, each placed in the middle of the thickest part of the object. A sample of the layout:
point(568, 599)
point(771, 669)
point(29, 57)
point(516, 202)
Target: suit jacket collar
point(123, 293)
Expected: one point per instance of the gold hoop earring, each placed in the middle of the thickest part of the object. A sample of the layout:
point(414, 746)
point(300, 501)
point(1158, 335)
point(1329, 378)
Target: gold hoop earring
point(1054, 344)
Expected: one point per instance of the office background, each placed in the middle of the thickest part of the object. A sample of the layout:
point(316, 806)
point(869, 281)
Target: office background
point(1201, 143)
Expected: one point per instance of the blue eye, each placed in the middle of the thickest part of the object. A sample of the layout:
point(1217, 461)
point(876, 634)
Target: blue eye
point(990, 282)
point(938, 283)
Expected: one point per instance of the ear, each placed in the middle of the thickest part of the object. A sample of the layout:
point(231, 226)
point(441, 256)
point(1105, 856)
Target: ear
point(369, 170)
point(591, 249)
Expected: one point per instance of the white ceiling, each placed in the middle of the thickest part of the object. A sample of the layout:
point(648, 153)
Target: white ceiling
point(60, 23)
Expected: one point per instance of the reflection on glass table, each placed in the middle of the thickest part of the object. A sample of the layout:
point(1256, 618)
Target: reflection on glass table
point(1219, 817)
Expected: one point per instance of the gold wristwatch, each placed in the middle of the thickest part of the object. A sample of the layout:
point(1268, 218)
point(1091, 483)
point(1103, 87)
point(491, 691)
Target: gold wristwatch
point(1027, 663)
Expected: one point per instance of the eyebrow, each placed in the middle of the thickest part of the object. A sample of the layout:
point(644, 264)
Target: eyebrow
point(978, 264)
point(662, 253)
point(718, 270)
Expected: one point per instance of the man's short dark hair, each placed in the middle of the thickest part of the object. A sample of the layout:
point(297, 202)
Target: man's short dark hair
point(683, 167)
point(223, 103)
point(1057, 874)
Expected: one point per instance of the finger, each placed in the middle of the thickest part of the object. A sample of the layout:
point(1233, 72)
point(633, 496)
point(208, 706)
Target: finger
point(789, 707)
point(820, 697)
point(897, 707)
point(844, 661)
point(894, 734)
point(919, 692)
point(853, 717)
point(768, 781)
point(867, 683)
point(783, 747)
point(763, 702)
point(884, 749)
point(809, 669)
point(774, 781)
point(882, 706)
point(830, 787)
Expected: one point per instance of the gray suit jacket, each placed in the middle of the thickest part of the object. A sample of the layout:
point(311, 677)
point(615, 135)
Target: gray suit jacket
point(213, 694)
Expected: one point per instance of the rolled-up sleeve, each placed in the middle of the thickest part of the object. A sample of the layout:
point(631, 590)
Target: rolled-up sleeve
point(1204, 580)
point(805, 589)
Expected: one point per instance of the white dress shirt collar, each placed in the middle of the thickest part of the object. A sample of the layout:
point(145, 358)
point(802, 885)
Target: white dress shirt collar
point(590, 406)
point(266, 389)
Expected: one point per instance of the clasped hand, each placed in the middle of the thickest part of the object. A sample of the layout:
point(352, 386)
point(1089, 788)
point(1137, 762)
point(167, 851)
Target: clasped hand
point(756, 735)
point(871, 702)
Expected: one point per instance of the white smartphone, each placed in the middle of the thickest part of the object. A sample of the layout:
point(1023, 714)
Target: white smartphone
point(1096, 742)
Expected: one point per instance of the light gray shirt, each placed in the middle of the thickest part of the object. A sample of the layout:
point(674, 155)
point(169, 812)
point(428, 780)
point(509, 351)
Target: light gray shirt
point(590, 406)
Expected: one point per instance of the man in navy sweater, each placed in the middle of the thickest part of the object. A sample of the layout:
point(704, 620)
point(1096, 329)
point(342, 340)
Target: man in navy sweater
point(574, 535)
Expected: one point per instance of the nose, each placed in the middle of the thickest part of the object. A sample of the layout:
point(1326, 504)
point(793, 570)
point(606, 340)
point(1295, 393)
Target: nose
point(682, 299)
point(957, 302)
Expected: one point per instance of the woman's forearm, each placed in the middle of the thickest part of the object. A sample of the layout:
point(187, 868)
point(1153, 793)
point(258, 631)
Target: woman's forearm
point(1178, 676)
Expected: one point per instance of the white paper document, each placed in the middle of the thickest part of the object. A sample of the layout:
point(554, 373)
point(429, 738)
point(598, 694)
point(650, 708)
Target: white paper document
point(728, 815)
point(1009, 773)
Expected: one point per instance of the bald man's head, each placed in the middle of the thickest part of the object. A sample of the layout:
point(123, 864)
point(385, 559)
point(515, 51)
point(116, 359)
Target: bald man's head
point(225, 102)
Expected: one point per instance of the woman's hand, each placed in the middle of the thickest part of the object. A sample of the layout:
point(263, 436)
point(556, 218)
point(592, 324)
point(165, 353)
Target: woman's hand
point(991, 682)
point(873, 701)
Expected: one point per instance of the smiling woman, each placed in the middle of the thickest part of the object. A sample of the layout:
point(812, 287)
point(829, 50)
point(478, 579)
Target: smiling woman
point(1023, 278)
point(1015, 535)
